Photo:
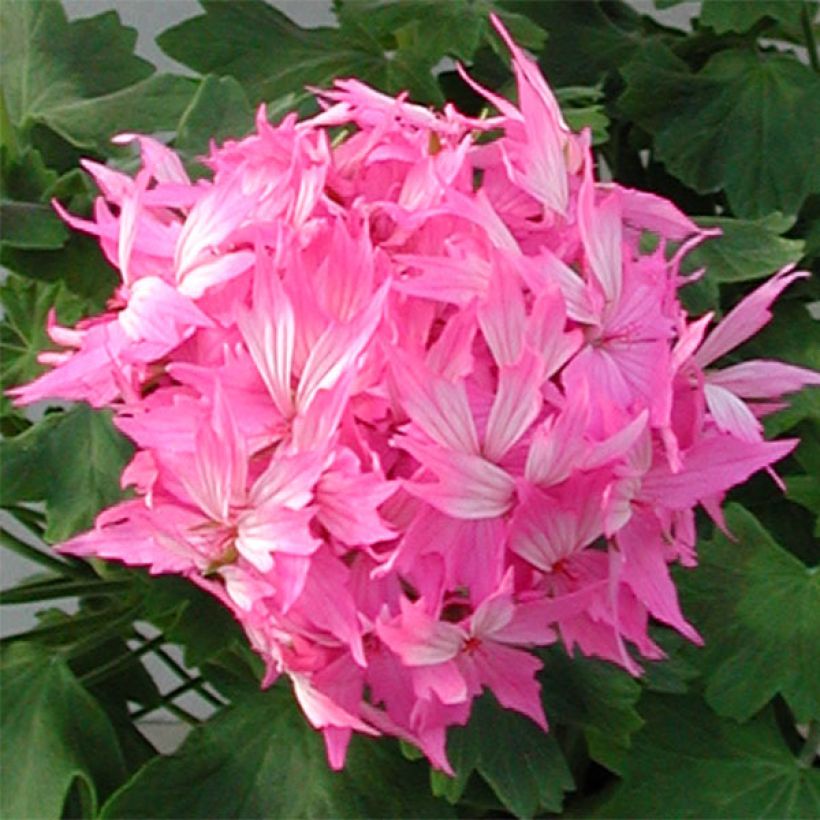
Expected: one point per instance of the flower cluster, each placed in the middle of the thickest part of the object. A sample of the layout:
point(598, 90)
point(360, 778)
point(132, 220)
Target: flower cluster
point(410, 399)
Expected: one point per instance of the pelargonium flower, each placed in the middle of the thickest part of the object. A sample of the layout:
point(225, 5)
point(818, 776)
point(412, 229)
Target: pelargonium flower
point(414, 402)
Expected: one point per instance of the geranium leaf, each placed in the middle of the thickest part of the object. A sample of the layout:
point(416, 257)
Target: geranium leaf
point(687, 762)
point(23, 327)
point(71, 460)
point(525, 767)
point(189, 617)
point(54, 733)
point(260, 758)
point(29, 225)
point(586, 40)
point(218, 110)
point(28, 221)
point(729, 15)
point(79, 264)
point(235, 39)
point(81, 78)
point(744, 251)
point(758, 608)
point(594, 696)
point(583, 107)
point(429, 30)
point(152, 105)
point(455, 28)
point(748, 123)
point(392, 45)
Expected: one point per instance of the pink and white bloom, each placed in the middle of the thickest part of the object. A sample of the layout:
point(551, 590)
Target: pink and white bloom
point(413, 403)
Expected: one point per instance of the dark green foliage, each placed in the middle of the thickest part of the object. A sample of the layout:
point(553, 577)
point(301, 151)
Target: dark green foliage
point(87, 478)
point(54, 733)
point(260, 759)
point(758, 608)
point(687, 762)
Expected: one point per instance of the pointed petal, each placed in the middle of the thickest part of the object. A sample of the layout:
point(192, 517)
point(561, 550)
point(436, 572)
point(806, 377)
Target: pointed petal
point(469, 487)
point(510, 674)
point(600, 227)
point(438, 406)
point(558, 443)
point(264, 531)
point(516, 405)
point(713, 465)
point(337, 349)
point(646, 573)
point(746, 318)
point(731, 414)
point(321, 711)
point(501, 316)
point(760, 378)
point(268, 331)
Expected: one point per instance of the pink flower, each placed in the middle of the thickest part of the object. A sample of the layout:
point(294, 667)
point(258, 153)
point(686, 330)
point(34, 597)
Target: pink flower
point(411, 404)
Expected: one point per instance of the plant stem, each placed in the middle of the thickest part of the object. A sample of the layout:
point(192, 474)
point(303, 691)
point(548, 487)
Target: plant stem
point(36, 555)
point(811, 748)
point(59, 588)
point(31, 519)
point(121, 662)
point(99, 626)
point(808, 32)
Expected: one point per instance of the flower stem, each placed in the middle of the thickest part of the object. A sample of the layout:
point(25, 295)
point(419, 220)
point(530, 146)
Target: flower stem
point(811, 748)
point(120, 663)
point(35, 555)
point(32, 519)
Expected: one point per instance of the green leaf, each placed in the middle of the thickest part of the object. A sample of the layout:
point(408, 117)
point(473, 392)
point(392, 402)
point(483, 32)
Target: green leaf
point(758, 609)
point(34, 241)
point(54, 733)
point(586, 40)
point(24, 175)
point(260, 758)
point(747, 123)
point(86, 628)
point(805, 490)
point(582, 107)
point(70, 460)
point(152, 105)
point(79, 264)
point(81, 78)
point(596, 697)
point(394, 46)
point(31, 225)
point(792, 335)
point(35, 591)
point(219, 110)
point(744, 251)
point(456, 27)
point(672, 674)
point(235, 39)
point(524, 766)
point(701, 296)
point(729, 15)
point(190, 617)
point(687, 762)
point(23, 328)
